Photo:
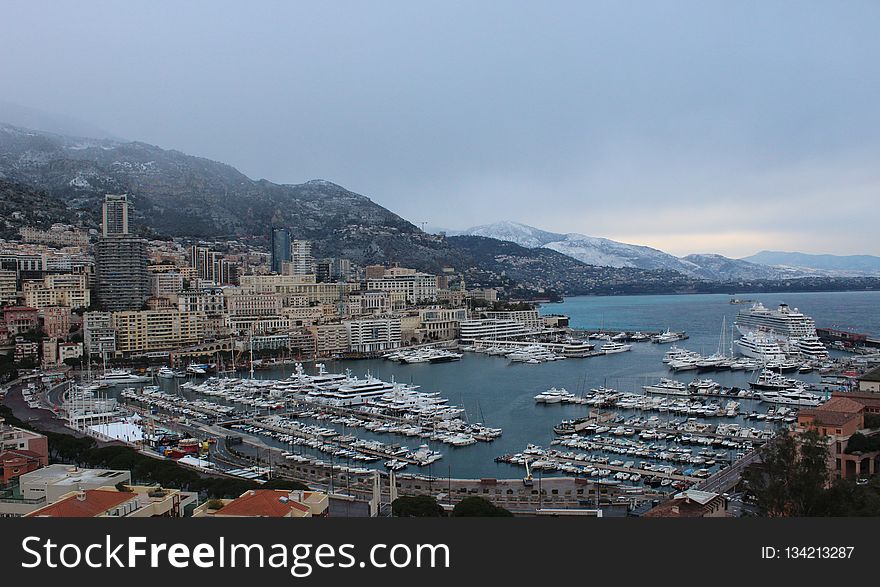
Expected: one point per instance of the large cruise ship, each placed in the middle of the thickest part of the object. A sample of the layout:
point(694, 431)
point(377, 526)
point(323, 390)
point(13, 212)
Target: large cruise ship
point(782, 322)
point(794, 331)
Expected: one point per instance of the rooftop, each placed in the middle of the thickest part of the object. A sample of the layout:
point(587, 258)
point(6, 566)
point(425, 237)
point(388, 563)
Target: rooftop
point(872, 375)
point(84, 504)
point(265, 503)
point(70, 475)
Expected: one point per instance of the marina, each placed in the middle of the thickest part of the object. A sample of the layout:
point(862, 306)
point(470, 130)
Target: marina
point(467, 416)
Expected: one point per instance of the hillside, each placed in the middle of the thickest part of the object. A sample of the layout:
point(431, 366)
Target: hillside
point(609, 253)
point(852, 264)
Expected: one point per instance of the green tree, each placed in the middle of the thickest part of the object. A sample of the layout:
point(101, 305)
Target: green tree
point(477, 507)
point(792, 477)
point(418, 506)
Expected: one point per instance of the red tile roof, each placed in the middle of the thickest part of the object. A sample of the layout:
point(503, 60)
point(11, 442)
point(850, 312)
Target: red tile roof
point(263, 503)
point(96, 502)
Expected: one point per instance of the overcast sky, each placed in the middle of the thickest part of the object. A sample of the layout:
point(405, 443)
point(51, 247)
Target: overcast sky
point(690, 126)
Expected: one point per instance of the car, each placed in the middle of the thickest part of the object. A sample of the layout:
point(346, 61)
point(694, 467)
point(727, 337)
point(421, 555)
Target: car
point(862, 481)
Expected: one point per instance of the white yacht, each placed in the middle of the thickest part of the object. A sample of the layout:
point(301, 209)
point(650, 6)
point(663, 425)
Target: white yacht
point(121, 376)
point(793, 396)
point(667, 387)
point(612, 347)
point(168, 373)
point(758, 346)
point(810, 347)
point(553, 396)
point(668, 336)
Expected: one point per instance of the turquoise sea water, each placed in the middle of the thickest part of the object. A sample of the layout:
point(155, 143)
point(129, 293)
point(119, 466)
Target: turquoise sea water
point(500, 394)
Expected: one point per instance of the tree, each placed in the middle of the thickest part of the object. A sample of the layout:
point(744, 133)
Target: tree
point(793, 475)
point(477, 507)
point(418, 506)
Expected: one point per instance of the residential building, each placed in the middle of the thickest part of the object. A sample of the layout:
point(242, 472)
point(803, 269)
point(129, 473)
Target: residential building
point(209, 300)
point(64, 289)
point(870, 381)
point(301, 260)
point(59, 235)
point(530, 319)
point(8, 286)
point(56, 321)
point(146, 331)
point(279, 248)
point(165, 284)
point(691, 504)
point(17, 462)
point(268, 503)
point(99, 335)
point(121, 278)
point(837, 420)
point(331, 339)
point(12, 438)
point(441, 323)
point(416, 287)
point(363, 302)
point(492, 329)
point(371, 335)
point(21, 319)
point(114, 215)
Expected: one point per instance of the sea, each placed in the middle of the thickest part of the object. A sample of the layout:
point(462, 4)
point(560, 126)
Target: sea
point(500, 394)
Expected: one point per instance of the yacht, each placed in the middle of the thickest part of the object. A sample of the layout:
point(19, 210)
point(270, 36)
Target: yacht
point(793, 396)
point(553, 396)
point(769, 380)
point(667, 387)
point(668, 336)
point(168, 373)
point(197, 368)
point(612, 347)
point(121, 376)
point(810, 347)
point(758, 346)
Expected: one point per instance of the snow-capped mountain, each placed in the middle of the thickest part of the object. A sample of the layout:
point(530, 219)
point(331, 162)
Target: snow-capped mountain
point(608, 253)
point(514, 232)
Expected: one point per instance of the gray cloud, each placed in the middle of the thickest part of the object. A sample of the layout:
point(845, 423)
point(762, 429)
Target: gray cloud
point(696, 126)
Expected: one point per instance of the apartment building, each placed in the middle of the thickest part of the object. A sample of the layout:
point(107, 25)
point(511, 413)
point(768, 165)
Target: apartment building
point(491, 329)
point(56, 321)
point(530, 319)
point(64, 289)
point(99, 335)
point(415, 287)
point(330, 339)
point(8, 286)
point(370, 335)
point(146, 331)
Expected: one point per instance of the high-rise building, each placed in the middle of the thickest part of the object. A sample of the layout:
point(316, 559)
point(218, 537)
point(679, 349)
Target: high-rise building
point(280, 248)
point(301, 260)
point(121, 278)
point(115, 215)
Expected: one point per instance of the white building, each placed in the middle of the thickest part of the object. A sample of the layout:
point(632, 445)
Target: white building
point(491, 329)
point(416, 287)
point(370, 335)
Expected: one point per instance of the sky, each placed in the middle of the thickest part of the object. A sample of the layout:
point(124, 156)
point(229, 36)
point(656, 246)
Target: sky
point(694, 127)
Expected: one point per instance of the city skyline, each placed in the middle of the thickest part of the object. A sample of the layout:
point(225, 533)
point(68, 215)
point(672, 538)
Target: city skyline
point(692, 128)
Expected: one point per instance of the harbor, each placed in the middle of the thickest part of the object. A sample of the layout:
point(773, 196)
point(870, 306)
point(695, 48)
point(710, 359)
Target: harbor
point(614, 419)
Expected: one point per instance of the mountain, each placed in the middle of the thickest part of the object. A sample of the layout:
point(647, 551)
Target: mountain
point(174, 194)
point(178, 195)
point(513, 232)
point(721, 268)
point(851, 264)
point(608, 253)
